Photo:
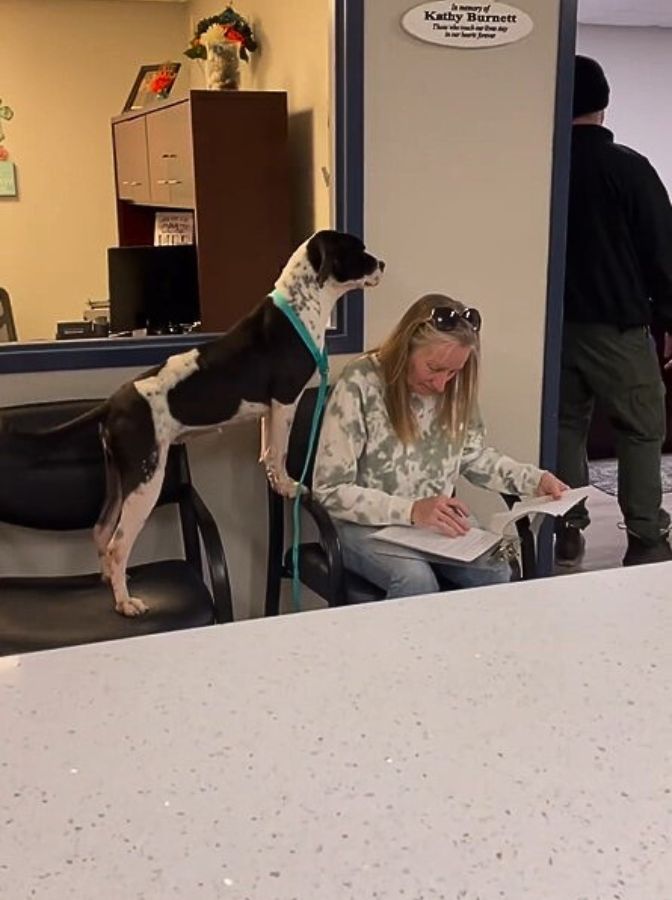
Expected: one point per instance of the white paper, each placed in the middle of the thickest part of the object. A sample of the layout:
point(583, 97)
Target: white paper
point(465, 548)
point(172, 228)
point(543, 505)
point(477, 541)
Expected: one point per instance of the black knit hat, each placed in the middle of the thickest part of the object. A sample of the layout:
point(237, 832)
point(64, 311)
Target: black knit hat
point(591, 88)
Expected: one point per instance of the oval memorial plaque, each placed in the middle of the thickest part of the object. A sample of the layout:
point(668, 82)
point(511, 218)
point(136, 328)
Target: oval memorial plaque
point(452, 23)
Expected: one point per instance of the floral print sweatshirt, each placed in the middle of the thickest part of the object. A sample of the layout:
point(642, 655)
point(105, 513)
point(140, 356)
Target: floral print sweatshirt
point(365, 474)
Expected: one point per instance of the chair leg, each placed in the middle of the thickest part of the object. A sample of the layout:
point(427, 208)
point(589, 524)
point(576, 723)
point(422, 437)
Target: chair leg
point(528, 552)
point(276, 540)
point(188, 521)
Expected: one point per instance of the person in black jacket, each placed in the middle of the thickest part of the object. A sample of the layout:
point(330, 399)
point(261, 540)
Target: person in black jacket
point(618, 282)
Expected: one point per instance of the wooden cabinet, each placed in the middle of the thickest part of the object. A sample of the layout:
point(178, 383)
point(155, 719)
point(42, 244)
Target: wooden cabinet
point(170, 157)
point(130, 148)
point(224, 155)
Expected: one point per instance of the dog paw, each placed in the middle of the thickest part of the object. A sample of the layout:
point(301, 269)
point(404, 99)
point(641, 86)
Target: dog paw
point(131, 607)
point(286, 488)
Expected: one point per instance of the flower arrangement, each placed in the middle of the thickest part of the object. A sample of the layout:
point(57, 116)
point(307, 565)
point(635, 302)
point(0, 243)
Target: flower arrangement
point(229, 26)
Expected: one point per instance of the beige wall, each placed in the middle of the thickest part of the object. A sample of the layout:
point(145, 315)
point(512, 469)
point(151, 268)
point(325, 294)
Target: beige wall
point(293, 57)
point(457, 184)
point(66, 67)
point(638, 64)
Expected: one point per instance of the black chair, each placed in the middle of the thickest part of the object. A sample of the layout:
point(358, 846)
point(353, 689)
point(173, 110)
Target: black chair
point(7, 327)
point(64, 491)
point(320, 562)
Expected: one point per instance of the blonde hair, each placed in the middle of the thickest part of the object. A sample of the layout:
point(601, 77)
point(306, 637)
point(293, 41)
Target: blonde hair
point(415, 330)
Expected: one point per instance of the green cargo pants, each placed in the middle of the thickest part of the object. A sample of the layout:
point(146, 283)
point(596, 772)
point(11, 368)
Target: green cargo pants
point(620, 370)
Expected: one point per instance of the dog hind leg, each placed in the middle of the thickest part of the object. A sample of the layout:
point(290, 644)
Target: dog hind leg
point(135, 509)
point(109, 514)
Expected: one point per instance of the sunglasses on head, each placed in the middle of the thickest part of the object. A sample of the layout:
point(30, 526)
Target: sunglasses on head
point(443, 318)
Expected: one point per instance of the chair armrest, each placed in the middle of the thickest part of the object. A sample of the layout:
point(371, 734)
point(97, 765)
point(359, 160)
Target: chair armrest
point(214, 553)
point(332, 547)
point(528, 547)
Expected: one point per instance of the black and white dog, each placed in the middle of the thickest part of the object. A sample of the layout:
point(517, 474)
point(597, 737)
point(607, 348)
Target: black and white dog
point(258, 368)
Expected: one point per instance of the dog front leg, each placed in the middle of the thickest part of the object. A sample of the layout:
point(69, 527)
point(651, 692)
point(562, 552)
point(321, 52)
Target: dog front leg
point(275, 429)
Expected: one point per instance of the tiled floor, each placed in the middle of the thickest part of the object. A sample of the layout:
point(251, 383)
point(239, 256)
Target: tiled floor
point(605, 541)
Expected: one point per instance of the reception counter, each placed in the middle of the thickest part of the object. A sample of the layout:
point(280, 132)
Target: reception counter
point(511, 741)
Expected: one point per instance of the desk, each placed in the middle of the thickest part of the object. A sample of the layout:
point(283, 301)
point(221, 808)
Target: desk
point(512, 741)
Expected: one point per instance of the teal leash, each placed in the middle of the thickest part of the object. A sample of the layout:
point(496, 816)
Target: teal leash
point(322, 361)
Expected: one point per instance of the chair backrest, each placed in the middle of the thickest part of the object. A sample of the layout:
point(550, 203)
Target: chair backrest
point(7, 327)
point(298, 439)
point(60, 486)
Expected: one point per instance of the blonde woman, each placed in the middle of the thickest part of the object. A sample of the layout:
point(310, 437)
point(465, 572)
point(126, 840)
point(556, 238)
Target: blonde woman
point(401, 425)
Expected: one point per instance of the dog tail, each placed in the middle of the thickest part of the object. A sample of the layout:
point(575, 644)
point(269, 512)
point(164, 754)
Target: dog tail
point(9, 429)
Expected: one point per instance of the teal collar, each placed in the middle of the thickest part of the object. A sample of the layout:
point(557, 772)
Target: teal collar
point(320, 356)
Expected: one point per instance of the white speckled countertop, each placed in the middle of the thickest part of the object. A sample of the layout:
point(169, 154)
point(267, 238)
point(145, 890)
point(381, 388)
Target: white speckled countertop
point(510, 742)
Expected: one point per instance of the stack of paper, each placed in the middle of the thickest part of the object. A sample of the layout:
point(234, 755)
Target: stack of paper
point(466, 548)
point(477, 541)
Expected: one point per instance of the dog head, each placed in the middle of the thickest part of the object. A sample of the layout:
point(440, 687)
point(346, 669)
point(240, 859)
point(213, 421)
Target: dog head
point(342, 258)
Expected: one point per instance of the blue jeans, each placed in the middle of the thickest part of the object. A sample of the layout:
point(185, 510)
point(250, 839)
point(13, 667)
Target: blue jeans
point(404, 576)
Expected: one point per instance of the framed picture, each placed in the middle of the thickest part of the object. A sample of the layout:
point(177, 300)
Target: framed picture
point(7, 179)
point(152, 84)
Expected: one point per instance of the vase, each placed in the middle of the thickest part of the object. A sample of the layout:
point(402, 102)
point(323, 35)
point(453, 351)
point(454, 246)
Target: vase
point(222, 67)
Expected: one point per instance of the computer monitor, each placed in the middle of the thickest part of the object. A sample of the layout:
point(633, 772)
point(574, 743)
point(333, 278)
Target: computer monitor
point(153, 287)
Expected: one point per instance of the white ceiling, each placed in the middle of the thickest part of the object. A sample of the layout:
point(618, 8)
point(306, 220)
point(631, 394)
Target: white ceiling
point(626, 12)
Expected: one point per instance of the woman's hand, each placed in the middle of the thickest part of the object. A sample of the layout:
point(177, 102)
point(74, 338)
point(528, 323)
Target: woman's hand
point(550, 486)
point(443, 514)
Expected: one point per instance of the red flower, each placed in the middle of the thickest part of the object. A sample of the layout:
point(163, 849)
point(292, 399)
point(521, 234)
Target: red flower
point(231, 34)
point(161, 81)
point(4, 154)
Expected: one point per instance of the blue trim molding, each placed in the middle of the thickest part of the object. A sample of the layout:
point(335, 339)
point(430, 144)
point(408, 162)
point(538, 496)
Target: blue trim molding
point(111, 353)
point(556, 262)
point(348, 335)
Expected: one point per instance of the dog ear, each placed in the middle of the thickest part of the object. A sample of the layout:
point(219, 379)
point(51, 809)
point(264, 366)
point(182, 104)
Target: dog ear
point(321, 255)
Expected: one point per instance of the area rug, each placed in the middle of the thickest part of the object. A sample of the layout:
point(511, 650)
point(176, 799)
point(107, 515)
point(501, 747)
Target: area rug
point(604, 475)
